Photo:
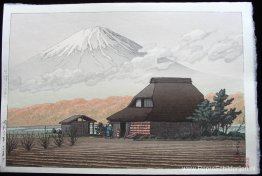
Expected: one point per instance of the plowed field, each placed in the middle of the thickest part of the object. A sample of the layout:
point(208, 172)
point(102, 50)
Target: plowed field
point(126, 153)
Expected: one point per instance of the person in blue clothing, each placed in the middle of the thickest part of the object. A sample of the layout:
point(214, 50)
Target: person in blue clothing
point(109, 131)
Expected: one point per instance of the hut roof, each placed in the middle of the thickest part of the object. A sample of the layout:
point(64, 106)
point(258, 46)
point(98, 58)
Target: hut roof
point(174, 99)
point(75, 117)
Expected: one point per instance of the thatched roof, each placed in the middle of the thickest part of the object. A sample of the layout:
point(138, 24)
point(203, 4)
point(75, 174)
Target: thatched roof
point(174, 99)
point(75, 117)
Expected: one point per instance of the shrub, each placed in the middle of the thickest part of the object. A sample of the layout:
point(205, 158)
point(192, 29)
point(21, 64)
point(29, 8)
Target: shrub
point(206, 133)
point(27, 141)
point(218, 133)
point(151, 136)
point(144, 137)
point(211, 138)
point(236, 134)
point(54, 131)
point(100, 129)
point(44, 140)
point(59, 131)
point(11, 142)
point(138, 137)
point(58, 139)
point(195, 136)
point(72, 135)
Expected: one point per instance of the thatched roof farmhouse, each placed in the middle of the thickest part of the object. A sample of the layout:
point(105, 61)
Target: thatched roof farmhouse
point(160, 109)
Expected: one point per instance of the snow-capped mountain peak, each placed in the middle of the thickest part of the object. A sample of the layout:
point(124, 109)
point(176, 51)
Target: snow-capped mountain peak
point(91, 39)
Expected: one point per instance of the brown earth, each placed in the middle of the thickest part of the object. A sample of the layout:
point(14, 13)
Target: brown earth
point(53, 113)
point(91, 152)
point(98, 109)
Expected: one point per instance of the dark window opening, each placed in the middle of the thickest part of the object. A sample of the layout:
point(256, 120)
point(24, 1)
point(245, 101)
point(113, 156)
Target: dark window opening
point(122, 129)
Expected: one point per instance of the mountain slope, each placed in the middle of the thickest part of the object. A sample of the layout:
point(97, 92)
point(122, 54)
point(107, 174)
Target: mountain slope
point(92, 39)
point(99, 109)
point(53, 113)
point(87, 56)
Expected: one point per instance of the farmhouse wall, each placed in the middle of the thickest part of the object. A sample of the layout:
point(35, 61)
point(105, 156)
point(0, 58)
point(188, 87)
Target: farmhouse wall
point(161, 129)
point(139, 128)
point(82, 128)
point(173, 129)
point(65, 128)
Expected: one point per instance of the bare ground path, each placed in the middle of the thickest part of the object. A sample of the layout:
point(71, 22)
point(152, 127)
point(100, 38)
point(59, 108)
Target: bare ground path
point(125, 153)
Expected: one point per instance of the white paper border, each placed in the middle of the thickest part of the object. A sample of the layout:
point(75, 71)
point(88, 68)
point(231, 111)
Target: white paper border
point(252, 139)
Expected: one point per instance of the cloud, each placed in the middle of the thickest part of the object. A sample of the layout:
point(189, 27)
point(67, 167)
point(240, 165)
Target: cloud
point(196, 46)
point(191, 54)
point(60, 78)
point(228, 50)
point(14, 82)
point(193, 48)
point(195, 35)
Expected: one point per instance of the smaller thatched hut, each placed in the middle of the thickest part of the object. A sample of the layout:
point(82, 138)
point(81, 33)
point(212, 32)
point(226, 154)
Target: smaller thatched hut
point(81, 123)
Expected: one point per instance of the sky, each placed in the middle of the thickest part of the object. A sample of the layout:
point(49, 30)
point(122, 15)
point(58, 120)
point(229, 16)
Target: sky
point(209, 41)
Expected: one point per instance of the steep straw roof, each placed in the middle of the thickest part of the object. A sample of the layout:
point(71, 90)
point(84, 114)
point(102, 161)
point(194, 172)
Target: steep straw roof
point(174, 99)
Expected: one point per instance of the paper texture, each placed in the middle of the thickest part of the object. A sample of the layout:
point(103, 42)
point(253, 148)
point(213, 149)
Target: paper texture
point(137, 88)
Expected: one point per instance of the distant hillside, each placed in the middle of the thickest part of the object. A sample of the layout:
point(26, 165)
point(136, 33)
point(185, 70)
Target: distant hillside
point(99, 109)
point(238, 103)
point(53, 113)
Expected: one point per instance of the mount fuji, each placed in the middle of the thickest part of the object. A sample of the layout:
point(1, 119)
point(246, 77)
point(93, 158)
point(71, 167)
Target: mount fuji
point(87, 55)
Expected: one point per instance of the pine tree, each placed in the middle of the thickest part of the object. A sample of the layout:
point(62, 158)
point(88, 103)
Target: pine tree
point(215, 115)
point(203, 115)
point(231, 115)
point(223, 117)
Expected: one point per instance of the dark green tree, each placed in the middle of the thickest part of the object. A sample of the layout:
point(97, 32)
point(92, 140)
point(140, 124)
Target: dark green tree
point(100, 129)
point(229, 118)
point(203, 116)
point(54, 131)
point(223, 116)
point(213, 116)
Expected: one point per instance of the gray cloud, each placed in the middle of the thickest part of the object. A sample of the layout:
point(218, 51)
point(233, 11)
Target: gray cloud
point(228, 49)
point(192, 46)
point(195, 47)
point(192, 49)
point(194, 36)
